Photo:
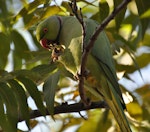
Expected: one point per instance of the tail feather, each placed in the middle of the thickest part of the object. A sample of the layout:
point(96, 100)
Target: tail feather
point(118, 111)
point(120, 117)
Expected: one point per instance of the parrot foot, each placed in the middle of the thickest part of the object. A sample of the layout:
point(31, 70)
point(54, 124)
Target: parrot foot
point(78, 75)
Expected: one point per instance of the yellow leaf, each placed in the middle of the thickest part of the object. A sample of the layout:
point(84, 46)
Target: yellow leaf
point(135, 110)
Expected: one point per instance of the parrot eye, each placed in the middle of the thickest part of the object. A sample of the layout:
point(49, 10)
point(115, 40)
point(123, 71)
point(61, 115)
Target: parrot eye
point(45, 30)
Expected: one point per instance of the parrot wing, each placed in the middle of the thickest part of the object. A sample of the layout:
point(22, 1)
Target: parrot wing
point(102, 53)
point(110, 88)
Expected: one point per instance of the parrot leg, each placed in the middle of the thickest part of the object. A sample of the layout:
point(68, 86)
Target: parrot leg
point(78, 75)
point(86, 101)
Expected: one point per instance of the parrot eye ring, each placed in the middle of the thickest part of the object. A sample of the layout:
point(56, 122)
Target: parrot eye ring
point(45, 30)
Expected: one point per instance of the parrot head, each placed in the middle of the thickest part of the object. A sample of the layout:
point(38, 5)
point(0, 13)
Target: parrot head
point(48, 31)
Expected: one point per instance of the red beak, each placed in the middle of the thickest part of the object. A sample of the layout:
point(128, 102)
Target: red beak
point(44, 43)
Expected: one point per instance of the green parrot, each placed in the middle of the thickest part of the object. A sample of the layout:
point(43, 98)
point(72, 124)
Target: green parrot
point(63, 36)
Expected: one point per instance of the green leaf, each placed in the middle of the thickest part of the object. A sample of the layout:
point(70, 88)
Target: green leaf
point(4, 49)
point(133, 21)
point(45, 68)
point(17, 61)
point(144, 91)
point(64, 82)
point(126, 68)
point(86, 2)
point(89, 9)
point(146, 40)
point(143, 6)
point(96, 119)
point(31, 19)
point(42, 56)
point(4, 76)
point(33, 91)
point(21, 45)
point(136, 112)
point(34, 76)
point(22, 100)
point(119, 18)
point(67, 7)
point(10, 101)
point(103, 9)
point(3, 120)
point(49, 89)
point(143, 59)
point(47, 3)
point(44, 71)
point(65, 72)
point(137, 38)
point(28, 73)
point(21, 48)
point(146, 14)
point(28, 8)
point(5, 14)
point(51, 10)
point(134, 61)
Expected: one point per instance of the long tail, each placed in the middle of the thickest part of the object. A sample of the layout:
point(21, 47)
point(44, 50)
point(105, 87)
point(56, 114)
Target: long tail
point(118, 112)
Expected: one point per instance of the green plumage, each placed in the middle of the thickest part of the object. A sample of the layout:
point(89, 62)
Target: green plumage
point(68, 32)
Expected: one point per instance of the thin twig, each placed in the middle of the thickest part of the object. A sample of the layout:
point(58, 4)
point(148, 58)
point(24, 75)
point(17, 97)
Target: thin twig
point(65, 108)
point(79, 16)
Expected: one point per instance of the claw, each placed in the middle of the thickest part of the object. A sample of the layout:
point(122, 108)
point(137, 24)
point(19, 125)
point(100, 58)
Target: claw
point(85, 74)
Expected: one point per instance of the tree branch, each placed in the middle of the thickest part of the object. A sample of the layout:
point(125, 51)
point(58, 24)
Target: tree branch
point(79, 16)
point(65, 108)
point(91, 44)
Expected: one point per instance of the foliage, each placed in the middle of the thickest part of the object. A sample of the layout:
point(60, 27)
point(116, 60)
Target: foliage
point(25, 66)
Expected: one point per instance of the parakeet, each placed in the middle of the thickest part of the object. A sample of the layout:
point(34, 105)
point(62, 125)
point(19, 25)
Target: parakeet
point(63, 35)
